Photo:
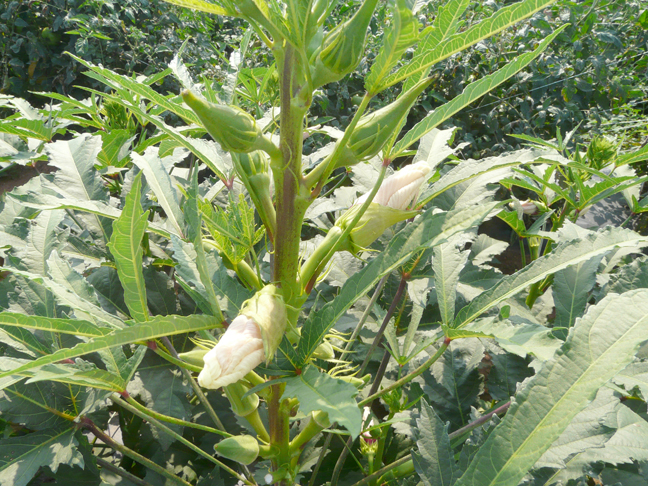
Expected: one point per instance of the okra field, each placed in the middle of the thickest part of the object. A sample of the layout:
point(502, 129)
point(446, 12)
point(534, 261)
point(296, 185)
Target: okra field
point(320, 242)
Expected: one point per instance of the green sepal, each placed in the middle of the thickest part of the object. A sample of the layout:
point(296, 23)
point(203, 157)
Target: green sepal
point(373, 223)
point(241, 406)
point(194, 357)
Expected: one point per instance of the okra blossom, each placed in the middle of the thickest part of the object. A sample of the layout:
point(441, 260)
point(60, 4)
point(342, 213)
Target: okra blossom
point(400, 189)
point(239, 351)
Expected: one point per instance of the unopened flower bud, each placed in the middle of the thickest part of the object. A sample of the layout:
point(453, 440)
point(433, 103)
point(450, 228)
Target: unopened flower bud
point(343, 47)
point(241, 406)
point(373, 130)
point(234, 129)
point(400, 189)
point(243, 449)
point(359, 383)
point(525, 207)
point(194, 357)
point(324, 351)
point(239, 351)
point(387, 208)
point(366, 435)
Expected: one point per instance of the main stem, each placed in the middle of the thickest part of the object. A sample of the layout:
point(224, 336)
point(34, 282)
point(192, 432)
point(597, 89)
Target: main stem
point(287, 172)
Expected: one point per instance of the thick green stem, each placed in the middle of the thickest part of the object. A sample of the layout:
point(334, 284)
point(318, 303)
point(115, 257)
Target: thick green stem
point(287, 172)
point(255, 421)
point(278, 416)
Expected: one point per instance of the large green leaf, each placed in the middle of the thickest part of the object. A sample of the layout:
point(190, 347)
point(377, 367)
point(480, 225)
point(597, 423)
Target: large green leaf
point(564, 255)
point(21, 457)
point(453, 383)
point(401, 33)
point(126, 248)
point(472, 92)
point(67, 326)
point(571, 288)
point(139, 332)
point(82, 308)
point(594, 352)
point(320, 391)
point(434, 461)
point(445, 25)
point(77, 178)
point(42, 239)
point(435, 51)
point(425, 231)
point(162, 184)
point(448, 262)
point(99, 208)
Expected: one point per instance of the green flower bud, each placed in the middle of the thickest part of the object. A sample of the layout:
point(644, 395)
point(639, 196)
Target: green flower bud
point(241, 406)
point(372, 224)
point(601, 152)
point(243, 449)
point(194, 357)
point(343, 47)
point(253, 171)
point(268, 310)
point(234, 129)
point(324, 351)
point(375, 129)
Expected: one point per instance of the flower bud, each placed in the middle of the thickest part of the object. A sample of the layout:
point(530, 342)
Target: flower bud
point(239, 351)
point(241, 406)
point(343, 47)
point(324, 351)
point(268, 311)
point(375, 129)
point(400, 189)
point(359, 383)
point(388, 207)
point(243, 449)
point(524, 207)
point(253, 171)
point(234, 129)
point(194, 357)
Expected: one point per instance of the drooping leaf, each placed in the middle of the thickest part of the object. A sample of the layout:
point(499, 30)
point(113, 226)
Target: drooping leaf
point(564, 255)
point(571, 288)
point(320, 391)
point(593, 353)
point(139, 332)
point(77, 178)
point(426, 231)
point(448, 262)
point(21, 457)
point(68, 326)
point(473, 91)
point(434, 461)
point(126, 248)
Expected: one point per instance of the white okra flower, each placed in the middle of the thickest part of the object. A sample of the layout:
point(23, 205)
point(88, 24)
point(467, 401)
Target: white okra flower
point(238, 352)
point(400, 189)
point(251, 338)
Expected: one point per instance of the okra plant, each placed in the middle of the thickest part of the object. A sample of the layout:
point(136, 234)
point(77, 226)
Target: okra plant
point(242, 312)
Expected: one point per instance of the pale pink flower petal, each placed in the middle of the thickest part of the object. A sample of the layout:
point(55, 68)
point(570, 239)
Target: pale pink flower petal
point(238, 352)
point(400, 189)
